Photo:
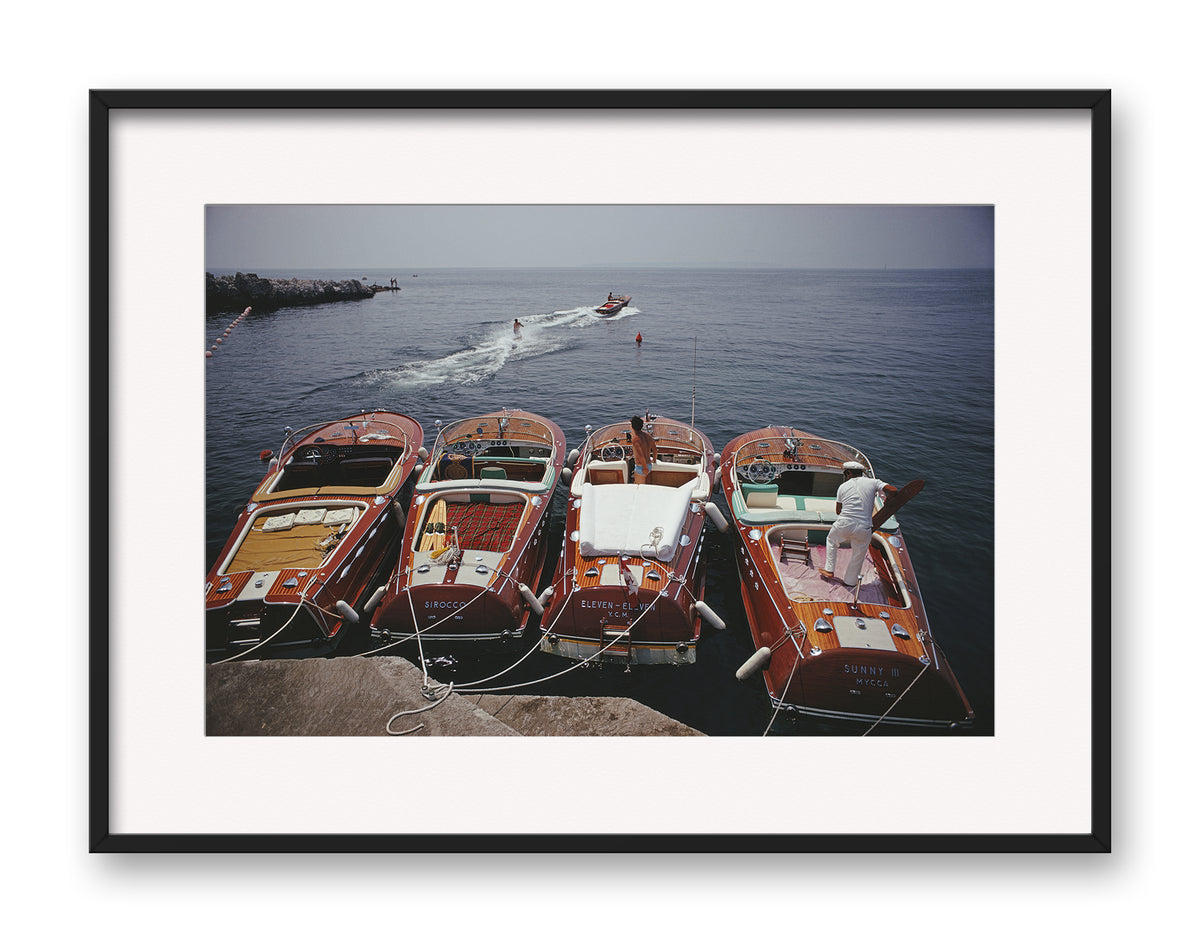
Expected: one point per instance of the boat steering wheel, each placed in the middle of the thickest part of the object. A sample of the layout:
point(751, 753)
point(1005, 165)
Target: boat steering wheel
point(314, 453)
point(760, 471)
point(612, 453)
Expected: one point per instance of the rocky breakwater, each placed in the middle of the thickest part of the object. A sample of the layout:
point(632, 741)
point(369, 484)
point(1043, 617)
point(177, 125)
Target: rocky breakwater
point(236, 292)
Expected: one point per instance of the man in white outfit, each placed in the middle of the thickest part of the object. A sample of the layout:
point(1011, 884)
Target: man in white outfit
point(855, 507)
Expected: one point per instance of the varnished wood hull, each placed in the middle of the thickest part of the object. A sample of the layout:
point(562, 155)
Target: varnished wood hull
point(656, 624)
point(277, 586)
point(487, 609)
point(633, 607)
point(868, 660)
point(476, 593)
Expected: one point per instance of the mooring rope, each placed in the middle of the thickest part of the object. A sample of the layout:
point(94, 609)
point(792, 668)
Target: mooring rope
point(897, 700)
point(783, 693)
point(424, 709)
point(545, 632)
point(428, 690)
point(275, 634)
point(419, 630)
point(574, 666)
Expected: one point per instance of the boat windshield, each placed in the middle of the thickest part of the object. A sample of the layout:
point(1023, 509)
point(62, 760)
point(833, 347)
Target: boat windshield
point(498, 435)
point(383, 428)
point(789, 471)
point(362, 451)
point(676, 441)
point(765, 458)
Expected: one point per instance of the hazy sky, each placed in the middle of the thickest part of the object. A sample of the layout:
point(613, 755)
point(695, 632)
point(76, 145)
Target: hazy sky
point(711, 236)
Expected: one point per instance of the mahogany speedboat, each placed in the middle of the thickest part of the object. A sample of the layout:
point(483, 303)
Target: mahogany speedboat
point(612, 305)
point(322, 527)
point(863, 653)
point(475, 542)
point(629, 585)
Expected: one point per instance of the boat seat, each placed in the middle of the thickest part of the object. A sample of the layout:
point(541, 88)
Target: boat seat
point(497, 474)
point(760, 495)
point(365, 472)
point(301, 475)
point(608, 472)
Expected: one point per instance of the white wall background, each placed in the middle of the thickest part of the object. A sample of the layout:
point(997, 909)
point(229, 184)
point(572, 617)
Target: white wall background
point(54, 57)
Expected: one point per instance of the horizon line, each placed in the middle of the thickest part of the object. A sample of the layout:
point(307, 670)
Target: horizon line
point(631, 267)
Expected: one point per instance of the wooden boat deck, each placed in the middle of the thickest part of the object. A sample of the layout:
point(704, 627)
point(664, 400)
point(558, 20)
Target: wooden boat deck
point(802, 581)
point(606, 571)
point(301, 545)
point(514, 427)
point(792, 449)
point(481, 525)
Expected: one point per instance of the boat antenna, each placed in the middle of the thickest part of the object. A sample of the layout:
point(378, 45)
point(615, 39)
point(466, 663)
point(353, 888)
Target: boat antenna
point(695, 348)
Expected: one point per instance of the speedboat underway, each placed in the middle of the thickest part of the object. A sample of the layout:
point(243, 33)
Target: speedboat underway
point(475, 542)
point(629, 585)
point(612, 305)
point(859, 652)
point(321, 529)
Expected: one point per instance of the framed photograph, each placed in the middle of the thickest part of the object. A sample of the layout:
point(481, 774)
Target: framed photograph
point(517, 481)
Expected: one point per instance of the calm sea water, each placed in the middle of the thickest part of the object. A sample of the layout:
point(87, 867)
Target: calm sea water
point(897, 363)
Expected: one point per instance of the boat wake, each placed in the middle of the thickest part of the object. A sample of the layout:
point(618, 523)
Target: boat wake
point(497, 346)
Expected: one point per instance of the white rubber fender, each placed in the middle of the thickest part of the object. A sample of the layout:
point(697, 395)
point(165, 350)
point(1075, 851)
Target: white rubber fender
point(709, 615)
point(374, 599)
point(547, 592)
point(566, 476)
point(573, 457)
point(534, 605)
point(398, 513)
point(423, 453)
point(346, 611)
point(757, 661)
point(715, 515)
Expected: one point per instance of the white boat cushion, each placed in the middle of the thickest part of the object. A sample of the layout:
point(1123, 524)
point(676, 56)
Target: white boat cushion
point(765, 496)
point(621, 518)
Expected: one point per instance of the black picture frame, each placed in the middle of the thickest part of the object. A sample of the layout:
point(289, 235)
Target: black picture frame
point(103, 105)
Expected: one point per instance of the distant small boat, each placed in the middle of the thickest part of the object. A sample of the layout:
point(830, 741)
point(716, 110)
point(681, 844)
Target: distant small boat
point(612, 305)
point(322, 527)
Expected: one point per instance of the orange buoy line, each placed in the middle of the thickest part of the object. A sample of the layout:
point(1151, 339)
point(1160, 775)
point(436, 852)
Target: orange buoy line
point(228, 331)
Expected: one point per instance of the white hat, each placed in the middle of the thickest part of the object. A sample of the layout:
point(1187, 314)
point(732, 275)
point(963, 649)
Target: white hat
point(853, 466)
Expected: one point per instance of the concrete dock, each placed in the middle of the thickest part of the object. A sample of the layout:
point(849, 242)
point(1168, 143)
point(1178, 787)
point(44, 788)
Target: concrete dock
point(359, 696)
